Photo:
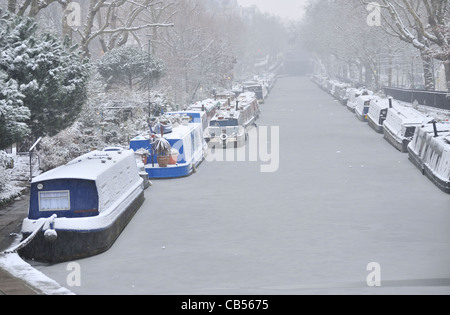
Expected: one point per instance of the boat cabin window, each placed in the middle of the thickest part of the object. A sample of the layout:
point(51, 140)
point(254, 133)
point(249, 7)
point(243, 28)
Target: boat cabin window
point(54, 200)
point(224, 123)
point(254, 88)
point(410, 131)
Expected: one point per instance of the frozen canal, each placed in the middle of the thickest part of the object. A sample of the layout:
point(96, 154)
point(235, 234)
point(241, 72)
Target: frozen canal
point(341, 198)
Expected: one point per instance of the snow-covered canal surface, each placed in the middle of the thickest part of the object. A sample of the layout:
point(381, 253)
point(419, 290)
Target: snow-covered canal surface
point(341, 199)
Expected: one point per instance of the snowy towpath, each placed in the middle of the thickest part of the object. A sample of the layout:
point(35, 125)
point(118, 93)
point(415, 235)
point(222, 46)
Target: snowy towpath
point(342, 198)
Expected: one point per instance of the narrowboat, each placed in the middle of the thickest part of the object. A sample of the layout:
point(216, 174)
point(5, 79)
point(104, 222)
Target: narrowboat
point(339, 92)
point(209, 107)
point(188, 147)
point(229, 126)
point(256, 87)
point(269, 79)
point(78, 210)
point(320, 81)
point(352, 97)
point(362, 106)
point(225, 95)
point(400, 126)
point(377, 113)
point(429, 151)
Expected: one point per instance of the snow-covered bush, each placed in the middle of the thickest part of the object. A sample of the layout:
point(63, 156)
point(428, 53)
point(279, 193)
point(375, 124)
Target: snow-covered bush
point(48, 72)
point(62, 148)
point(13, 114)
point(130, 66)
point(4, 161)
point(7, 190)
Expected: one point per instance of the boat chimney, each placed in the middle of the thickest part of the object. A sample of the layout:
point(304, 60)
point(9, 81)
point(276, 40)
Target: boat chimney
point(215, 94)
point(390, 102)
point(203, 107)
point(229, 101)
point(435, 129)
point(237, 105)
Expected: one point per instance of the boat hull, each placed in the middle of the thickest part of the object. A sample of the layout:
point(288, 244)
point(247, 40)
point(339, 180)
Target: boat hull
point(374, 125)
point(401, 145)
point(78, 244)
point(423, 167)
point(361, 116)
point(171, 171)
point(229, 142)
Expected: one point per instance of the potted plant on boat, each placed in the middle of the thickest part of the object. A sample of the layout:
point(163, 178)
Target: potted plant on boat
point(162, 150)
point(143, 154)
point(173, 156)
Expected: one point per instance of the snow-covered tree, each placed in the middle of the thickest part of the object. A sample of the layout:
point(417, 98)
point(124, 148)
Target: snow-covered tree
point(196, 51)
point(13, 115)
point(425, 26)
point(50, 75)
point(130, 66)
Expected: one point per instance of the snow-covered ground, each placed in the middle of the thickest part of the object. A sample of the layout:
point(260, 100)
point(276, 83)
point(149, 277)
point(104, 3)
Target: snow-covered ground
point(20, 269)
point(13, 180)
point(341, 199)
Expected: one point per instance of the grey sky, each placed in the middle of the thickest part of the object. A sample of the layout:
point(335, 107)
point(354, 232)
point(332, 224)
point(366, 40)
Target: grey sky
point(292, 9)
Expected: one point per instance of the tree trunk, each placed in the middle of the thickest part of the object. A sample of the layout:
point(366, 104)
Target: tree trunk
point(390, 74)
point(368, 74)
point(428, 72)
point(447, 75)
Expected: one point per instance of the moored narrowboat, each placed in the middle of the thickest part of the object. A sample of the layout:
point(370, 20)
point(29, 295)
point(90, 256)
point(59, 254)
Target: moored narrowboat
point(429, 151)
point(229, 126)
point(400, 126)
point(377, 113)
point(187, 147)
point(79, 209)
point(256, 87)
point(209, 107)
point(352, 97)
point(362, 106)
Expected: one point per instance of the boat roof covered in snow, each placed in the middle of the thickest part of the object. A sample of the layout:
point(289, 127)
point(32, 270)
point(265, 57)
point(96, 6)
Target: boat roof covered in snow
point(246, 98)
point(208, 105)
point(409, 116)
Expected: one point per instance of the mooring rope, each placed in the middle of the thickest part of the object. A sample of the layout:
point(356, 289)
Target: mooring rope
point(28, 240)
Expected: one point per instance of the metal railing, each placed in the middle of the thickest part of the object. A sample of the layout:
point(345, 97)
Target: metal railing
point(440, 100)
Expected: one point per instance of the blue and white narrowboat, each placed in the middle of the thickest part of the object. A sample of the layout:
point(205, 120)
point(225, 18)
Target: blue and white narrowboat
point(229, 126)
point(209, 107)
point(400, 126)
point(79, 209)
point(363, 105)
point(429, 151)
point(188, 147)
